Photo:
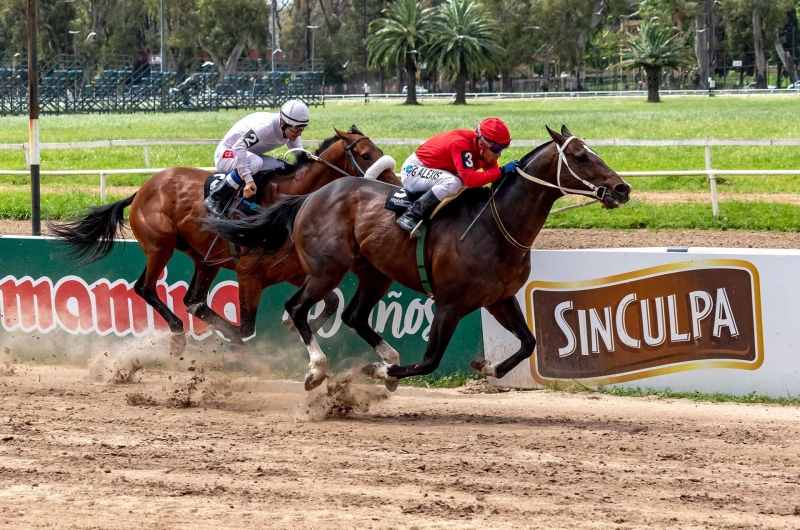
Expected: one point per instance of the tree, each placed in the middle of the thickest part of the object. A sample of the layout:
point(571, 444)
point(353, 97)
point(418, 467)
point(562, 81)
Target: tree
point(397, 39)
point(655, 48)
point(464, 41)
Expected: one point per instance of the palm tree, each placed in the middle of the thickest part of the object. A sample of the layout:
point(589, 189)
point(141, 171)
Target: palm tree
point(655, 48)
point(464, 41)
point(396, 39)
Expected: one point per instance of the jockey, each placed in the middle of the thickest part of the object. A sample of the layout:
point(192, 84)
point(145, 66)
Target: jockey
point(448, 161)
point(240, 153)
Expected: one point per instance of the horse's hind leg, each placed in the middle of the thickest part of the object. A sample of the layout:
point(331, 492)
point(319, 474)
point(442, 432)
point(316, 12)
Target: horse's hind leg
point(509, 315)
point(331, 306)
point(372, 285)
point(145, 287)
point(312, 291)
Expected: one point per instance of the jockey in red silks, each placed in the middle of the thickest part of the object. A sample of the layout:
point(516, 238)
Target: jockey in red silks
point(449, 161)
point(240, 154)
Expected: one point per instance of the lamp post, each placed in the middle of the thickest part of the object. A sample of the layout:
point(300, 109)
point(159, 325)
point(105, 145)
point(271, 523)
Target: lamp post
point(312, 28)
point(74, 43)
point(66, 25)
point(162, 31)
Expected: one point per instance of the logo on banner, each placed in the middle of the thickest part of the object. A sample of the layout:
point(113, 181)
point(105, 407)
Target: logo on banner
point(677, 317)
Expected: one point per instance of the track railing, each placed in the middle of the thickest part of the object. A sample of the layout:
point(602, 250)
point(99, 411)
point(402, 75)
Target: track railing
point(706, 143)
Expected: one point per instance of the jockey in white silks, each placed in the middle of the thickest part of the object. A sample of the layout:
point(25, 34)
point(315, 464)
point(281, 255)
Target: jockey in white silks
point(240, 154)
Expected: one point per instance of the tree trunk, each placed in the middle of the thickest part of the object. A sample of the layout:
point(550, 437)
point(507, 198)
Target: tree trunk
point(411, 80)
point(653, 80)
point(505, 81)
point(758, 46)
point(461, 85)
point(786, 58)
point(701, 49)
point(382, 78)
point(546, 71)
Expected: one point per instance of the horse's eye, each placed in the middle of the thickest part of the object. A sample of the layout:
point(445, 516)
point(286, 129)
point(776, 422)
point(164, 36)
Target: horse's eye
point(582, 159)
point(365, 156)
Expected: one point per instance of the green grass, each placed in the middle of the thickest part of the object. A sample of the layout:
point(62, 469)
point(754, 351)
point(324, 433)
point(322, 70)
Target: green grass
point(453, 380)
point(676, 118)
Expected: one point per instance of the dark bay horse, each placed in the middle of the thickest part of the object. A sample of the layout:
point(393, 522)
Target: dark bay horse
point(167, 212)
point(344, 227)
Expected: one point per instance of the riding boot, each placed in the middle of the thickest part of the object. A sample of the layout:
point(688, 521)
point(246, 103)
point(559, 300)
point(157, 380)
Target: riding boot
point(419, 211)
point(219, 196)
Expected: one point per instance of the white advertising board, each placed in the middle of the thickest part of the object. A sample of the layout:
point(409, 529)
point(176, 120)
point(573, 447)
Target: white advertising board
point(697, 319)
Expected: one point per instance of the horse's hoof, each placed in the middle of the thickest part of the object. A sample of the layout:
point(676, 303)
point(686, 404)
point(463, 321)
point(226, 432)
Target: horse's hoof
point(192, 309)
point(288, 324)
point(391, 386)
point(177, 343)
point(482, 366)
point(374, 370)
point(311, 383)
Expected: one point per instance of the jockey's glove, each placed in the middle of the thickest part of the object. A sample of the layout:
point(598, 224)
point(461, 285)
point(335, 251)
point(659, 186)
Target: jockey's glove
point(509, 167)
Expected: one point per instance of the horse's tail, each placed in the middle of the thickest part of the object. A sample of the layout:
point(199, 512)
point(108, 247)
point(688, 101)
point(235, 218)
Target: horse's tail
point(269, 230)
point(91, 237)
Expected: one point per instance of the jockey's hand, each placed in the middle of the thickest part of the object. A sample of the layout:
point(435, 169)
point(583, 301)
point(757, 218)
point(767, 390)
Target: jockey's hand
point(249, 189)
point(510, 167)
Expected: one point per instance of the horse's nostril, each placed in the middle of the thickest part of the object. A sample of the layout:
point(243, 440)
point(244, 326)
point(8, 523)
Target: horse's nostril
point(622, 189)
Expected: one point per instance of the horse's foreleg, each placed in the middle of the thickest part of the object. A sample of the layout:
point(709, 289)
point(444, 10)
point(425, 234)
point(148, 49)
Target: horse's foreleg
point(509, 315)
point(372, 286)
point(145, 287)
point(442, 328)
point(197, 305)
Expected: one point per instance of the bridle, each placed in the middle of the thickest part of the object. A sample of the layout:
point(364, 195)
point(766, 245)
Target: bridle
point(348, 148)
point(597, 192)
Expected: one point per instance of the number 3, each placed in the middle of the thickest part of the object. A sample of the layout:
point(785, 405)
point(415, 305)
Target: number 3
point(466, 158)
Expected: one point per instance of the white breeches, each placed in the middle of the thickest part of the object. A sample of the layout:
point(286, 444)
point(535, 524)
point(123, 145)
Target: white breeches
point(416, 177)
point(223, 159)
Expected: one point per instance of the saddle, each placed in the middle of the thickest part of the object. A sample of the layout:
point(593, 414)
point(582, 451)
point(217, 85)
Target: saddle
point(401, 200)
point(243, 205)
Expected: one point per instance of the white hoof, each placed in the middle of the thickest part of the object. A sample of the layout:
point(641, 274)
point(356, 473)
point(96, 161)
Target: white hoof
point(313, 380)
point(483, 367)
point(378, 371)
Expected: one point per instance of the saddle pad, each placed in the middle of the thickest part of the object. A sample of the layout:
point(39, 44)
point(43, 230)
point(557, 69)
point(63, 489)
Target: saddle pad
point(399, 200)
point(258, 178)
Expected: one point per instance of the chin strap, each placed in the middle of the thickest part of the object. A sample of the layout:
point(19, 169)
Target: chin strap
point(598, 192)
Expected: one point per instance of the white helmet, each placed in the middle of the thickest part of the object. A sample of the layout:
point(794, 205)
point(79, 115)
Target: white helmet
point(295, 112)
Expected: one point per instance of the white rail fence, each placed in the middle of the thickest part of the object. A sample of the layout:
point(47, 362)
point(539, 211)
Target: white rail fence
point(706, 143)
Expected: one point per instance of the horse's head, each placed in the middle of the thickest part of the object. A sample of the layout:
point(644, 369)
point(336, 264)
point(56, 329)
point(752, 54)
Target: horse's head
point(366, 159)
point(582, 171)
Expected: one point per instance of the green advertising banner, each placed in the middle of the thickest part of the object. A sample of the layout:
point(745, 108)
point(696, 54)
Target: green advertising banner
point(42, 292)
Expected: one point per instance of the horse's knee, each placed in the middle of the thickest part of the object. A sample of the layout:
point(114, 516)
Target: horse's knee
point(529, 344)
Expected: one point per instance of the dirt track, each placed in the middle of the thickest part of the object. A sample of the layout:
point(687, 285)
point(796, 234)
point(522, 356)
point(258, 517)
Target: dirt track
point(76, 454)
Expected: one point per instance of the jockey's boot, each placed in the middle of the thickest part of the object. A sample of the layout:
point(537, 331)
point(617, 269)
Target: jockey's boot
point(419, 211)
point(219, 196)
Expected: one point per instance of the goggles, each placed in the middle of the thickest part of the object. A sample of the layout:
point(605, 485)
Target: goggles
point(297, 128)
point(493, 147)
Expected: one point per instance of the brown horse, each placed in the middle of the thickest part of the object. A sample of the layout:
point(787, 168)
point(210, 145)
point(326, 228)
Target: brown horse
point(167, 213)
point(344, 227)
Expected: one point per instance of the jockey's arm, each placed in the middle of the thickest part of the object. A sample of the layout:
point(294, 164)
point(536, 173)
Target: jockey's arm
point(247, 140)
point(466, 167)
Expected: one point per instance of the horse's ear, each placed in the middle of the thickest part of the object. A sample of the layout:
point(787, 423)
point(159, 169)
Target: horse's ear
point(355, 130)
point(340, 134)
point(565, 131)
point(557, 138)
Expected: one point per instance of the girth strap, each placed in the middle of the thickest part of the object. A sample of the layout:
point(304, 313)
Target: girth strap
point(423, 274)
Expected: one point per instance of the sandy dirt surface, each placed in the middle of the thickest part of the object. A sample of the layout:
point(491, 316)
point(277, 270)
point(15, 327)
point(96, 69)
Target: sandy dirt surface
point(571, 238)
point(247, 454)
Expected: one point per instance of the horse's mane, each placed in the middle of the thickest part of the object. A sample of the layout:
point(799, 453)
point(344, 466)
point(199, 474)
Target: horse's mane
point(527, 158)
point(302, 159)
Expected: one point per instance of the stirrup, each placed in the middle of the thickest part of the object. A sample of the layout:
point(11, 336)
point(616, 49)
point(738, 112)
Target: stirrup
point(415, 232)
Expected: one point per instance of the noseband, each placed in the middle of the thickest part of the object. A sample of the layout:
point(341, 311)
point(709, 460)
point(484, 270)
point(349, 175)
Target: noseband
point(598, 192)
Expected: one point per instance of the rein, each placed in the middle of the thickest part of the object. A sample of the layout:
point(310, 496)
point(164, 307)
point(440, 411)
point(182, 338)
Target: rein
point(598, 192)
point(348, 148)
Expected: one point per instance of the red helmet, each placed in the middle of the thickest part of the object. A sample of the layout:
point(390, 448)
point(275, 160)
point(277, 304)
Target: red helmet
point(494, 130)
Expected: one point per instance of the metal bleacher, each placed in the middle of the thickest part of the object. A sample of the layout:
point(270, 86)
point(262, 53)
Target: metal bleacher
point(120, 85)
